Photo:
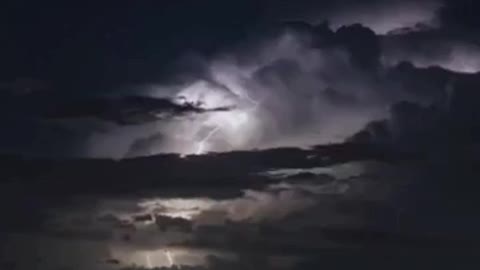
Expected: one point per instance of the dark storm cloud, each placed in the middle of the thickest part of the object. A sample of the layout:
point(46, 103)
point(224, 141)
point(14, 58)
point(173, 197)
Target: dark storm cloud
point(451, 120)
point(249, 224)
point(128, 110)
point(432, 47)
point(379, 15)
point(376, 75)
point(452, 43)
point(321, 86)
point(460, 15)
point(261, 229)
point(297, 80)
point(186, 178)
point(408, 179)
point(195, 171)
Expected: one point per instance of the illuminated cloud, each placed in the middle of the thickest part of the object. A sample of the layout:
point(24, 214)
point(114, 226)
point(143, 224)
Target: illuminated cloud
point(286, 93)
point(161, 230)
point(298, 85)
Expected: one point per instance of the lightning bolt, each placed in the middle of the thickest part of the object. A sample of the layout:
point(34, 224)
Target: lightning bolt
point(216, 129)
point(148, 260)
point(201, 144)
point(169, 257)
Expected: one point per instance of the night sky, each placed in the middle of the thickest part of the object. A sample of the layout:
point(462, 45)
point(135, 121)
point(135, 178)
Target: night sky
point(239, 134)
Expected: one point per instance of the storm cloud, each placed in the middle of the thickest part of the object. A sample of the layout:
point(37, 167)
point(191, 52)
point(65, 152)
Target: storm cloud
point(242, 135)
point(284, 75)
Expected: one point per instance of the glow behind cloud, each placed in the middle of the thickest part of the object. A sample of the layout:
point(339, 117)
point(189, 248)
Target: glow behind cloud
point(275, 98)
point(232, 128)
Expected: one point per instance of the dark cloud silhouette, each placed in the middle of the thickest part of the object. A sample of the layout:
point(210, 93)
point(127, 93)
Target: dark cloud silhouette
point(451, 120)
point(126, 110)
point(432, 47)
point(362, 43)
